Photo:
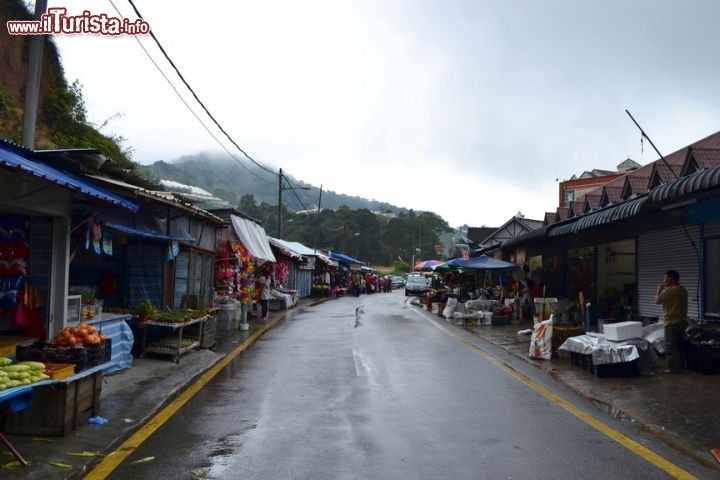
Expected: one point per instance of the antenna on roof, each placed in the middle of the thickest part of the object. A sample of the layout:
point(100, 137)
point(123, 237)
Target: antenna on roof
point(642, 132)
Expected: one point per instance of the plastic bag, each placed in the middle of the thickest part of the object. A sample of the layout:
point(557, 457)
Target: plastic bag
point(450, 307)
point(541, 340)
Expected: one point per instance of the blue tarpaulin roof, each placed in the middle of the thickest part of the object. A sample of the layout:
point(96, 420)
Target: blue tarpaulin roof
point(13, 157)
point(141, 225)
point(344, 258)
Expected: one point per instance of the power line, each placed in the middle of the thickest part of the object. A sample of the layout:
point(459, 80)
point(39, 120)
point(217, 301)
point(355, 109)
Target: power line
point(180, 75)
point(294, 192)
point(197, 117)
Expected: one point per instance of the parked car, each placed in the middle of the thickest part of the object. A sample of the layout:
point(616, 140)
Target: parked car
point(397, 281)
point(416, 285)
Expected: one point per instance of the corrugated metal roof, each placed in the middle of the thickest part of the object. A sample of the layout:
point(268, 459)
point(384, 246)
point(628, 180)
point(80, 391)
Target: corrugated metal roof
point(12, 156)
point(292, 249)
point(610, 214)
point(698, 181)
point(166, 198)
point(562, 228)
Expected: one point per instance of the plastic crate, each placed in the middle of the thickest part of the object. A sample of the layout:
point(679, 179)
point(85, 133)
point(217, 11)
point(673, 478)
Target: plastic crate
point(48, 353)
point(702, 358)
point(98, 353)
point(582, 360)
point(622, 369)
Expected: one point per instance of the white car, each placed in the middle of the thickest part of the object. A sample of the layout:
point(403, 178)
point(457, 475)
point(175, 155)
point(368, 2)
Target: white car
point(416, 285)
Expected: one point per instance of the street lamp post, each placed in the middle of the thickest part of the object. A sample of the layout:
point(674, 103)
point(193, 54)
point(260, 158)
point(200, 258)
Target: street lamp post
point(281, 188)
point(417, 250)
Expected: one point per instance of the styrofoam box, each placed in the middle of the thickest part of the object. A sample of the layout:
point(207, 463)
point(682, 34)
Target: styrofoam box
point(623, 330)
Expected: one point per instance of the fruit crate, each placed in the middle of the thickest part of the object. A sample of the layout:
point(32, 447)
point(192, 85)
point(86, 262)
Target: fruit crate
point(58, 407)
point(47, 353)
point(59, 371)
point(98, 353)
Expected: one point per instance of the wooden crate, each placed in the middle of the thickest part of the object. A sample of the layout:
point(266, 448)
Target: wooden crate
point(59, 407)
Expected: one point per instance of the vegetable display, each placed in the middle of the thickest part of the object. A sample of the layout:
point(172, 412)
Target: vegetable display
point(177, 316)
point(20, 373)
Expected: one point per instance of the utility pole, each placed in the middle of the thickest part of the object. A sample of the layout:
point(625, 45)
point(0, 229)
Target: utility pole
point(317, 218)
point(280, 189)
point(32, 84)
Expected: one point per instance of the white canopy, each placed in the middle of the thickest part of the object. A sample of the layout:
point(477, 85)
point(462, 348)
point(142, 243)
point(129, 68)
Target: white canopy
point(253, 236)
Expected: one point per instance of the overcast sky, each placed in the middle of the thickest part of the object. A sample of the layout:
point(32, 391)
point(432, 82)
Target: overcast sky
point(470, 109)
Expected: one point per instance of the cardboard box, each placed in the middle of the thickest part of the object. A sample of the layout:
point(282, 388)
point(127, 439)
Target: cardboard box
point(623, 331)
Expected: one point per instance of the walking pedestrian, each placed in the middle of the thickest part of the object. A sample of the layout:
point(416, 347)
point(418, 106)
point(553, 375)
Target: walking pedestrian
point(674, 299)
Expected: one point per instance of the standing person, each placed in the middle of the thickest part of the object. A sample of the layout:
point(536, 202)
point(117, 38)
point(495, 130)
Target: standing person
point(262, 292)
point(674, 299)
point(357, 283)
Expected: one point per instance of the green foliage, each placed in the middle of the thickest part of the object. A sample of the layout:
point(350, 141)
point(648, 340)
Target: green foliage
point(5, 104)
point(65, 113)
point(360, 233)
point(400, 267)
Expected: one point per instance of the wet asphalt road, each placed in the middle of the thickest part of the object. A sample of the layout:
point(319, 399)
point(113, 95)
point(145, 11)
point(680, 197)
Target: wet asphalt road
point(385, 394)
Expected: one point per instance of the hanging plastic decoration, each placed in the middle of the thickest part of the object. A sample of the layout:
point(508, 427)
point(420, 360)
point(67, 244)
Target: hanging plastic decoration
point(107, 246)
point(281, 272)
point(245, 269)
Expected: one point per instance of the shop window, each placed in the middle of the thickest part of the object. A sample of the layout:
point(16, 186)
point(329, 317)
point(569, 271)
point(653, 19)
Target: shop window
point(712, 277)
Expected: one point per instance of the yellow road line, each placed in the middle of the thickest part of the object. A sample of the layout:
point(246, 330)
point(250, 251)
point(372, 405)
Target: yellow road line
point(621, 438)
point(114, 459)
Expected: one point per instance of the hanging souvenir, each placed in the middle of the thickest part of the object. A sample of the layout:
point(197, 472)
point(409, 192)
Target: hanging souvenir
point(173, 250)
point(107, 246)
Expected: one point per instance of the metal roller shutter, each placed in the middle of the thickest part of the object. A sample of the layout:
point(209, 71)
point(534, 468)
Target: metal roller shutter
point(712, 229)
point(669, 249)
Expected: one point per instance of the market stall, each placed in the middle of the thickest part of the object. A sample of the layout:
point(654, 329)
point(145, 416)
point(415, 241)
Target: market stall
point(603, 357)
point(174, 333)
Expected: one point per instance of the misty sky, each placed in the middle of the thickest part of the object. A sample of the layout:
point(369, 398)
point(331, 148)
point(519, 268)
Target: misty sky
point(470, 109)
